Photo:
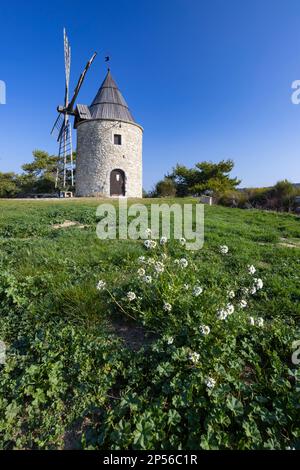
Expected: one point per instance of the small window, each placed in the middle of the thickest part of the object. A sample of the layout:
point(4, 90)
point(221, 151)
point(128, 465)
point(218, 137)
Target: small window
point(117, 139)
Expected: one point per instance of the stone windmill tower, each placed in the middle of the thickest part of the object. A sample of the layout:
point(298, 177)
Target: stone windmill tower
point(109, 146)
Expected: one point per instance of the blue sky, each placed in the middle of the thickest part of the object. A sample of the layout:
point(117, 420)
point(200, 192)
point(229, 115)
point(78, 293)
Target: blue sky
point(208, 80)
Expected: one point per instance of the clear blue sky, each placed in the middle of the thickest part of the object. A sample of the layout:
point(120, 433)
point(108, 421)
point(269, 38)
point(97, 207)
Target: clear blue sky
point(207, 80)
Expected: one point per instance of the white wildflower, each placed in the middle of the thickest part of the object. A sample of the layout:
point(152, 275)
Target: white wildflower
point(260, 322)
point(101, 285)
point(197, 291)
point(167, 307)
point(149, 244)
point(131, 296)
point(253, 290)
point(194, 357)
point(183, 263)
point(243, 304)
point(163, 240)
point(210, 383)
point(251, 321)
point(148, 232)
point(229, 309)
point(159, 267)
point(142, 259)
point(186, 286)
point(251, 269)
point(222, 314)
point(231, 294)
point(224, 249)
point(141, 272)
point(147, 279)
point(170, 340)
point(182, 241)
point(204, 330)
point(258, 283)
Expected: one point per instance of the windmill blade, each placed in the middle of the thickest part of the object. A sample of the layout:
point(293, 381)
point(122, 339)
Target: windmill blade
point(67, 56)
point(65, 164)
point(64, 125)
point(57, 124)
point(80, 81)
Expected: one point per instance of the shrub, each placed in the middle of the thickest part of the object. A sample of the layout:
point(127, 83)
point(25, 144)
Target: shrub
point(165, 188)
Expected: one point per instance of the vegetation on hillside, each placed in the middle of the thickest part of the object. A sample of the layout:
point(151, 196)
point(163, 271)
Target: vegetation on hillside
point(205, 360)
point(214, 179)
point(205, 177)
point(38, 177)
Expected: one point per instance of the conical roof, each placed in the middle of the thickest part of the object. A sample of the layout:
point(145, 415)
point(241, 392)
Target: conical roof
point(109, 102)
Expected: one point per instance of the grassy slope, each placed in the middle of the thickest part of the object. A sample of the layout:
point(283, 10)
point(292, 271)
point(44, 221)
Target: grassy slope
point(74, 259)
point(63, 266)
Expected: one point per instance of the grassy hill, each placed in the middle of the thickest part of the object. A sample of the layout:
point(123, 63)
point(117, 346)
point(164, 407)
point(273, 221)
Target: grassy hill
point(90, 368)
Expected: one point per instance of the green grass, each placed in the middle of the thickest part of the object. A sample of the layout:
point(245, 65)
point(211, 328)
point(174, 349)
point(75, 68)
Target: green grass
point(70, 380)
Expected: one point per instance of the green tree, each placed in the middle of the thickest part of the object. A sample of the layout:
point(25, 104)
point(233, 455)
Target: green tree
point(205, 176)
point(165, 188)
point(39, 175)
point(8, 184)
point(283, 195)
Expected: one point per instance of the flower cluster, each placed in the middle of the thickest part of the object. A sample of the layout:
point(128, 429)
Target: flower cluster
point(223, 249)
point(182, 263)
point(167, 307)
point(101, 285)
point(131, 296)
point(174, 297)
point(150, 244)
point(223, 313)
point(197, 290)
point(204, 330)
point(194, 357)
point(259, 321)
point(210, 383)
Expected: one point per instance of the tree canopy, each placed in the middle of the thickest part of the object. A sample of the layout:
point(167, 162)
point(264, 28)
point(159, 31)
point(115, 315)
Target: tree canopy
point(38, 176)
point(205, 176)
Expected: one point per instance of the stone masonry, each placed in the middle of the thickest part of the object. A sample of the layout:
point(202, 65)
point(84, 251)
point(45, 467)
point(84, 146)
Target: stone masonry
point(97, 156)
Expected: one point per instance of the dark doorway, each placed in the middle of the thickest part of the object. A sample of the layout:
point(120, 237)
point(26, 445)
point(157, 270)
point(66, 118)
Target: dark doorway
point(117, 183)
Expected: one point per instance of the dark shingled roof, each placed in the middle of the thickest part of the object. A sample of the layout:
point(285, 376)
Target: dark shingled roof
point(109, 103)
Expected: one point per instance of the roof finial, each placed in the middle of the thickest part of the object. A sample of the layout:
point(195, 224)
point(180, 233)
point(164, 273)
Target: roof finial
point(107, 59)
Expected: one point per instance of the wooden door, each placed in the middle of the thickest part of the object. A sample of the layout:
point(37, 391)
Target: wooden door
point(117, 183)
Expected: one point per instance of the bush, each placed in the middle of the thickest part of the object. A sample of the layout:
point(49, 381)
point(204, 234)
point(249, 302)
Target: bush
point(280, 197)
point(165, 188)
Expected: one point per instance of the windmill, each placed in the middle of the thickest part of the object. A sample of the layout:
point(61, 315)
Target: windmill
point(63, 126)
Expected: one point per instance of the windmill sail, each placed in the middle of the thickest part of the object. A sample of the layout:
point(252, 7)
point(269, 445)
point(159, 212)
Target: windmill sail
point(62, 125)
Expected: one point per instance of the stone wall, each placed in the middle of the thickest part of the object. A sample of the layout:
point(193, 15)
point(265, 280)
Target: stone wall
point(97, 156)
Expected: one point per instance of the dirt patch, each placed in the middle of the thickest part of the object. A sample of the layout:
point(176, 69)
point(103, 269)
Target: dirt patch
point(72, 436)
point(68, 223)
point(289, 243)
point(133, 335)
point(263, 264)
